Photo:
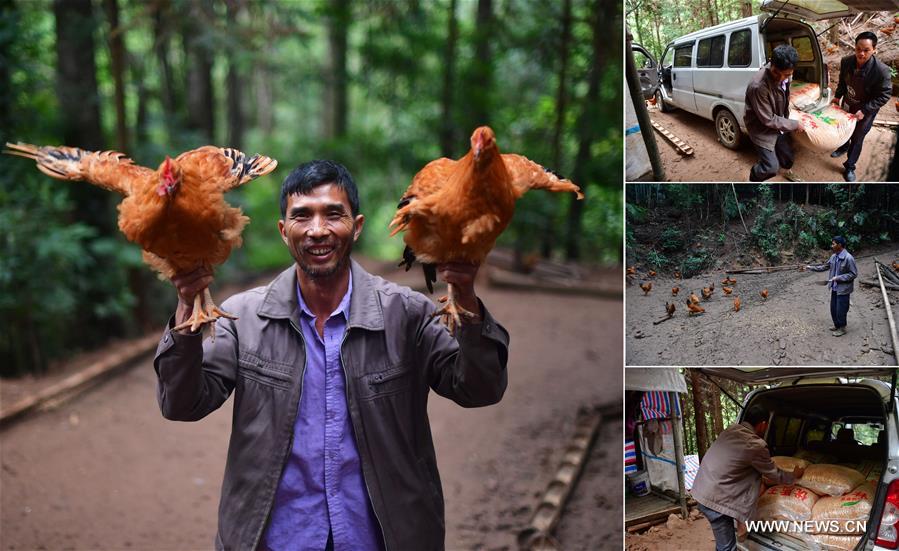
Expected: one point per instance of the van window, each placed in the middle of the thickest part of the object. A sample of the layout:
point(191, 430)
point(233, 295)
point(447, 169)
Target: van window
point(642, 60)
point(863, 433)
point(710, 52)
point(739, 53)
point(804, 46)
point(683, 56)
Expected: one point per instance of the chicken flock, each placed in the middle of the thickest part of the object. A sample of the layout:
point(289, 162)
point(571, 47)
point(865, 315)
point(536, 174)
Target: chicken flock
point(693, 303)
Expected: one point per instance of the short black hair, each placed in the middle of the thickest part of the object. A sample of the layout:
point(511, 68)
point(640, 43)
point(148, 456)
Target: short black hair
point(867, 35)
point(839, 239)
point(755, 415)
point(784, 57)
point(308, 176)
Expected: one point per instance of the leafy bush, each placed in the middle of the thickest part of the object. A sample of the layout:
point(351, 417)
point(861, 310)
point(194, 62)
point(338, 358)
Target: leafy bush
point(672, 239)
point(695, 263)
point(656, 259)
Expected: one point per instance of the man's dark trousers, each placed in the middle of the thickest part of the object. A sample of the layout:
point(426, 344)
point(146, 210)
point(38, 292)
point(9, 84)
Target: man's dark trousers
point(839, 307)
point(854, 145)
point(722, 528)
point(771, 161)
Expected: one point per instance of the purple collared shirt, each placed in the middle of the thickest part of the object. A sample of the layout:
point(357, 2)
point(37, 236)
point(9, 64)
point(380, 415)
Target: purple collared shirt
point(322, 488)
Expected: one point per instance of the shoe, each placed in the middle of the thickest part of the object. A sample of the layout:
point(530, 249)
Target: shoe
point(838, 153)
point(792, 176)
point(849, 175)
point(834, 328)
point(839, 332)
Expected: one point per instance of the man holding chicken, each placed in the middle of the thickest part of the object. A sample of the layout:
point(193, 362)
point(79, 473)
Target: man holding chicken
point(331, 369)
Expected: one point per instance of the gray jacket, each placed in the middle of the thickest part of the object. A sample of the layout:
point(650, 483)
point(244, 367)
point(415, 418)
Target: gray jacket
point(392, 353)
point(731, 471)
point(842, 267)
point(767, 113)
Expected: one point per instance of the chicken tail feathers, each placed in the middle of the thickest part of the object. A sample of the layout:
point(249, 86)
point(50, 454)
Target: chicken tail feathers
point(408, 258)
point(430, 276)
point(245, 168)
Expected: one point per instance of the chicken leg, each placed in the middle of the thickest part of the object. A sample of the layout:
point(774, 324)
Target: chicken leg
point(204, 311)
point(452, 313)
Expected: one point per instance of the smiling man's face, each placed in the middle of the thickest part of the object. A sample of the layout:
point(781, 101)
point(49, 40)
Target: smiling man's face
point(319, 229)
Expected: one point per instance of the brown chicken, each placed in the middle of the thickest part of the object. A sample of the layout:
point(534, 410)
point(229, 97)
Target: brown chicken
point(176, 213)
point(647, 287)
point(727, 290)
point(706, 293)
point(764, 294)
point(676, 275)
point(675, 291)
point(693, 298)
point(669, 308)
point(454, 210)
point(694, 308)
point(652, 273)
point(728, 281)
point(896, 266)
point(632, 270)
point(737, 304)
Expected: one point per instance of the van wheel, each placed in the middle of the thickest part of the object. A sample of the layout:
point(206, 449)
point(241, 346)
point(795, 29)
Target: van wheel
point(728, 129)
point(664, 107)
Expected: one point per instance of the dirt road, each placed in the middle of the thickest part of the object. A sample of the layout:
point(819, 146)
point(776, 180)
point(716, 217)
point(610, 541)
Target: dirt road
point(791, 327)
point(694, 533)
point(712, 162)
point(105, 471)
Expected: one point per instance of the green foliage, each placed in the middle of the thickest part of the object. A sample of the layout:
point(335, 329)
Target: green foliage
point(696, 262)
point(672, 239)
point(656, 259)
point(635, 213)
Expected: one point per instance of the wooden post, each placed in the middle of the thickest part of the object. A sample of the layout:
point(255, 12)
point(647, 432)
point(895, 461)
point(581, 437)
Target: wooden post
point(649, 138)
point(677, 432)
point(886, 305)
point(702, 443)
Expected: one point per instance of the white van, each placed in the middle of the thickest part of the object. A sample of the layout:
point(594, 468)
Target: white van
point(811, 411)
point(706, 72)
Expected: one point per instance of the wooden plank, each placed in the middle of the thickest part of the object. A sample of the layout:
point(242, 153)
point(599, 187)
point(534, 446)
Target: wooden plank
point(681, 146)
point(889, 309)
point(887, 124)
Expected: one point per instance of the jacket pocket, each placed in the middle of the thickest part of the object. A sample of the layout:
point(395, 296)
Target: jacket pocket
point(386, 383)
point(263, 371)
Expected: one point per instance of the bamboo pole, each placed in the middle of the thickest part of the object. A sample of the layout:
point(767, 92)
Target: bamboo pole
point(886, 305)
point(739, 210)
point(677, 430)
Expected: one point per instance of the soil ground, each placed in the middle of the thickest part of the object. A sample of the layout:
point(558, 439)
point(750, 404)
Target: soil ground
point(791, 327)
point(712, 162)
point(106, 471)
point(677, 534)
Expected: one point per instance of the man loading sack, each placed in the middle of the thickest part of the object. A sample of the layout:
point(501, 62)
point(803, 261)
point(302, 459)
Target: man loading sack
point(727, 484)
point(864, 88)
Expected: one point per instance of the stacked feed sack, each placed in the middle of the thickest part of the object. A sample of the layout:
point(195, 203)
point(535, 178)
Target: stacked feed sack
point(831, 480)
point(842, 515)
point(804, 94)
point(786, 502)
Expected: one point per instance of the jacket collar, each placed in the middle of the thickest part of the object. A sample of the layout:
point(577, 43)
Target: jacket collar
point(280, 301)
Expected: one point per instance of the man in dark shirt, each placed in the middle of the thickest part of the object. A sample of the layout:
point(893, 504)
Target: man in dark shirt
point(864, 88)
point(767, 115)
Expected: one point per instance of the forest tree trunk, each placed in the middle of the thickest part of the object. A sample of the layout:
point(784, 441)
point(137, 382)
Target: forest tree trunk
point(162, 25)
point(336, 102)
point(235, 87)
point(746, 8)
point(447, 126)
point(117, 66)
point(199, 61)
point(702, 441)
point(480, 80)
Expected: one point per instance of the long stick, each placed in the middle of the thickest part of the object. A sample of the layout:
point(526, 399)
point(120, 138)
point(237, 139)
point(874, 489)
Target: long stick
point(739, 210)
point(886, 304)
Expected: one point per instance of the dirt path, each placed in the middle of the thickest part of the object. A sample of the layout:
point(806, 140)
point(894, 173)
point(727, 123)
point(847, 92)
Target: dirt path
point(694, 534)
point(712, 162)
point(791, 327)
point(105, 471)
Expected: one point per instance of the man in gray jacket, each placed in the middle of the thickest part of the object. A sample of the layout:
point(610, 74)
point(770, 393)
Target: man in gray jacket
point(728, 482)
point(767, 115)
point(331, 368)
point(840, 281)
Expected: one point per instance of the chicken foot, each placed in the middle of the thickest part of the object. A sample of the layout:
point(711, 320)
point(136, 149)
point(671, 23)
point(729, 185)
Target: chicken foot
point(204, 311)
point(451, 314)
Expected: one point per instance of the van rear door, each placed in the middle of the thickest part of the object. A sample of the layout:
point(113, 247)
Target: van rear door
point(819, 10)
point(682, 76)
